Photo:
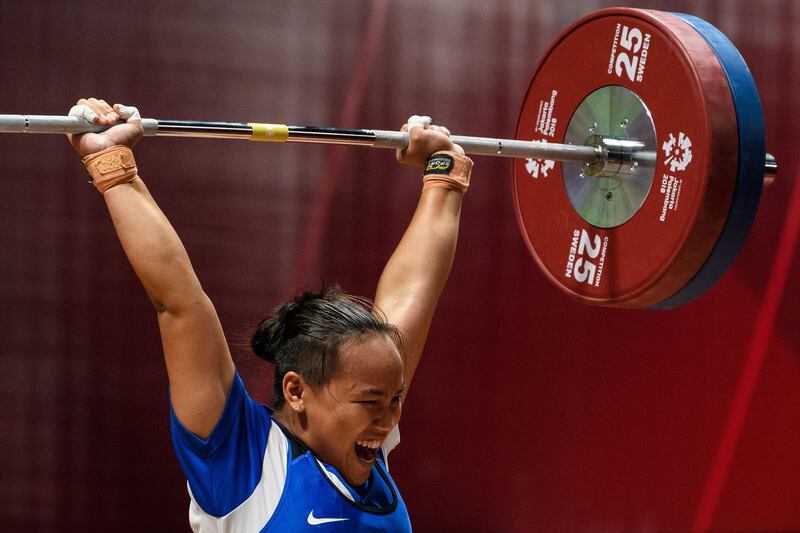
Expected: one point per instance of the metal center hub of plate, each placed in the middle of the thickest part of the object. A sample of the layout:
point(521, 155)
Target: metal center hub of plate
point(610, 192)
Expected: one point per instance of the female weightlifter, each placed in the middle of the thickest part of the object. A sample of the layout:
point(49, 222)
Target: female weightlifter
point(342, 365)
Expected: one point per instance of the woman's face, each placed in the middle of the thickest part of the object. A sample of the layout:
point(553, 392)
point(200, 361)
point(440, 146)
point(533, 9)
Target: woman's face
point(350, 417)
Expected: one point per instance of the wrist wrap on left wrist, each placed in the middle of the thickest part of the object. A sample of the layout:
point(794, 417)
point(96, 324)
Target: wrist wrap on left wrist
point(447, 170)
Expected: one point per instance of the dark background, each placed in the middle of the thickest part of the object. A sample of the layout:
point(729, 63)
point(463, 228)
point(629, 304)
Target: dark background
point(530, 412)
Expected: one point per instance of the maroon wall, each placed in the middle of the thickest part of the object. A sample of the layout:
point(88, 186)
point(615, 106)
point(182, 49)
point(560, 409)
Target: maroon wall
point(529, 412)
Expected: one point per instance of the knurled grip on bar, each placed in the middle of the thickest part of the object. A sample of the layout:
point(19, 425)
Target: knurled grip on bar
point(61, 124)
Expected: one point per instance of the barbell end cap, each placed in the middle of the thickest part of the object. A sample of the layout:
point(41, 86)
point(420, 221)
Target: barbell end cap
point(770, 170)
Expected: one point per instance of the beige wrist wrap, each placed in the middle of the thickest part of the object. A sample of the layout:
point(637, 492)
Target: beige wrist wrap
point(110, 167)
point(447, 170)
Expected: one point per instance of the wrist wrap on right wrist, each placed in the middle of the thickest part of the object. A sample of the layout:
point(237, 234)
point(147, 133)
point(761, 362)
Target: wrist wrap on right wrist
point(111, 167)
point(447, 170)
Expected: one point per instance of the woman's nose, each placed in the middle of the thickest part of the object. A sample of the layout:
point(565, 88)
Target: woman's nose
point(388, 419)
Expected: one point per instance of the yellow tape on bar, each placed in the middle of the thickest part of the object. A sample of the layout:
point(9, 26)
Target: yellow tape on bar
point(269, 132)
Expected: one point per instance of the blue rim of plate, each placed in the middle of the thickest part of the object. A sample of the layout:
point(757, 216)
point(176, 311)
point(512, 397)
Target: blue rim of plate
point(750, 174)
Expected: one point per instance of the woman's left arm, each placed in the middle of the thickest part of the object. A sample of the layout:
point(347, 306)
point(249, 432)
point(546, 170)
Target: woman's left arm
point(413, 279)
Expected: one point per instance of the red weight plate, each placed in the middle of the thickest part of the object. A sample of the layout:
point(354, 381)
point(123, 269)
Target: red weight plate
point(679, 78)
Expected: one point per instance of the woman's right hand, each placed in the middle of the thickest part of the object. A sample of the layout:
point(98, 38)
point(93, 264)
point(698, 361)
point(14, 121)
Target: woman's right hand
point(99, 112)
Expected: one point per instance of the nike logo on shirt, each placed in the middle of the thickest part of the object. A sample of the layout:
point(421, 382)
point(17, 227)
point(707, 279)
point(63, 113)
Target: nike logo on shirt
point(312, 520)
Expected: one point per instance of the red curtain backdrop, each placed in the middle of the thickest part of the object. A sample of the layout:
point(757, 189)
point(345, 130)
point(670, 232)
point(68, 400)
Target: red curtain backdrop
point(529, 412)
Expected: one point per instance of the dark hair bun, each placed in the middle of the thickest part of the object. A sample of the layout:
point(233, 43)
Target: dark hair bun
point(265, 339)
point(275, 331)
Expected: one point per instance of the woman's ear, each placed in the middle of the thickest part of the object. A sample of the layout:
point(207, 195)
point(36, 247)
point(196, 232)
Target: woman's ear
point(294, 387)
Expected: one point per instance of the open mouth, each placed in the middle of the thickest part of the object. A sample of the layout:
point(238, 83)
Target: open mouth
point(367, 450)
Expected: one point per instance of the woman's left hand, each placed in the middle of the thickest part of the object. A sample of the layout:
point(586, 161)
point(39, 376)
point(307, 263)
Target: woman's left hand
point(425, 139)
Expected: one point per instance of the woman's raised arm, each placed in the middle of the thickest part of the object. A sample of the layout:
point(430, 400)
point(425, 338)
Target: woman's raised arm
point(198, 360)
point(413, 279)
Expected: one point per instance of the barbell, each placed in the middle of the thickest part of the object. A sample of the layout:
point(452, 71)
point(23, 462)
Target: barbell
point(640, 156)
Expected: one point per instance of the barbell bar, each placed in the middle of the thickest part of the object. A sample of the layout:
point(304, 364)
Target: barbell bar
point(660, 137)
point(318, 135)
point(599, 153)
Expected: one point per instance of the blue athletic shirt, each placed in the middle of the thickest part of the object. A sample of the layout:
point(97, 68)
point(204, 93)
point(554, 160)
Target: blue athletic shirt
point(253, 475)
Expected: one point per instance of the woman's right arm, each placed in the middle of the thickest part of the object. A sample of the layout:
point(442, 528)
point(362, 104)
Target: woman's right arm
point(198, 360)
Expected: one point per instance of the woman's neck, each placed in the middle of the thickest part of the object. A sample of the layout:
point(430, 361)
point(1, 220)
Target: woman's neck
point(290, 420)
